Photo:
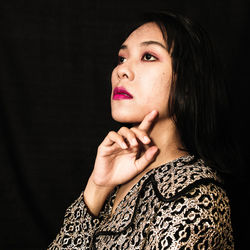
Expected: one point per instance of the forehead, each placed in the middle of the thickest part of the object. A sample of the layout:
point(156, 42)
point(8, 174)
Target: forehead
point(146, 32)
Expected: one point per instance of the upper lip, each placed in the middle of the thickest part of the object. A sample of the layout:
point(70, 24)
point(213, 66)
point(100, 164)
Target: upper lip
point(122, 90)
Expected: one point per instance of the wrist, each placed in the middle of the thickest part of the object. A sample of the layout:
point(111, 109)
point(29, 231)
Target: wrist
point(99, 185)
point(95, 196)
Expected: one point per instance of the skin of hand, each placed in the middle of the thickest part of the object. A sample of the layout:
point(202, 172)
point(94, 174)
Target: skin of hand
point(120, 157)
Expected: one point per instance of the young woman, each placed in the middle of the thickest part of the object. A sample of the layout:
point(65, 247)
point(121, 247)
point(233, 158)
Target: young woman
point(157, 184)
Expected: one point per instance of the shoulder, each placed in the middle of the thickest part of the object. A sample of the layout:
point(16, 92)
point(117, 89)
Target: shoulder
point(194, 210)
point(196, 219)
point(183, 175)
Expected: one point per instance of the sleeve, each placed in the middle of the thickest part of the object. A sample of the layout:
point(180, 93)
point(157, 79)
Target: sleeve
point(78, 227)
point(200, 219)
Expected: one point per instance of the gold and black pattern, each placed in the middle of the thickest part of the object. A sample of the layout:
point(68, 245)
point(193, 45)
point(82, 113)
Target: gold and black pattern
point(180, 205)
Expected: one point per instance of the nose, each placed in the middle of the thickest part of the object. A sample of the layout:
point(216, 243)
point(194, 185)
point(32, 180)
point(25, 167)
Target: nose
point(124, 71)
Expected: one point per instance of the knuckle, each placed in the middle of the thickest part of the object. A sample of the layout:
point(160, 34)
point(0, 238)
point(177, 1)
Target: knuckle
point(133, 129)
point(118, 137)
point(132, 133)
point(122, 129)
point(111, 133)
point(126, 132)
point(99, 148)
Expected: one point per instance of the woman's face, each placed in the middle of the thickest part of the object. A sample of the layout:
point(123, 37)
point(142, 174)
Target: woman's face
point(141, 81)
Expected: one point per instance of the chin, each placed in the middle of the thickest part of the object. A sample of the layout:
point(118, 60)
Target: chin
point(127, 117)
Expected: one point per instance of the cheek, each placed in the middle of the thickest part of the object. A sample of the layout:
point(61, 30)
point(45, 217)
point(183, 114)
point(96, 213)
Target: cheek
point(155, 90)
point(156, 86)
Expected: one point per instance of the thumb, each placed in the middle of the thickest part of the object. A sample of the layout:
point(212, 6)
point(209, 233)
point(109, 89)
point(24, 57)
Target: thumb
point(146, 158)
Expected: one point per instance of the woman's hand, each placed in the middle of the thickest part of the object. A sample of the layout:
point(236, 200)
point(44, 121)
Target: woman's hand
point(123, 154)
point(120, 157)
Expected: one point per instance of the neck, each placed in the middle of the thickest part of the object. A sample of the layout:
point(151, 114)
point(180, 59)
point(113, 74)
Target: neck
point(165, 136)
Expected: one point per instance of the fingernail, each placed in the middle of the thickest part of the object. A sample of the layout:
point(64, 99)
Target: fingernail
point(124, 145)
point(153, 113)
point(146, 139)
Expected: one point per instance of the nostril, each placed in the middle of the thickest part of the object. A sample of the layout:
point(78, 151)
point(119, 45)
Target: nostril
point(122, 74)
point(123, 71)
point(125, 75)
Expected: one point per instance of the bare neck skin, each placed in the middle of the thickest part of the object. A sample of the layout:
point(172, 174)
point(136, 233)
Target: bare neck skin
point(165, 136)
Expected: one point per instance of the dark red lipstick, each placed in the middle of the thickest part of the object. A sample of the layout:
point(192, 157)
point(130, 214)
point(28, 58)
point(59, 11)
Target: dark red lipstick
point(121, 93)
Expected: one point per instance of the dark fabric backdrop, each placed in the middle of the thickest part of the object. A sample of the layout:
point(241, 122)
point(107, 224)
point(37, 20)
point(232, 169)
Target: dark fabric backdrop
point(56, 57)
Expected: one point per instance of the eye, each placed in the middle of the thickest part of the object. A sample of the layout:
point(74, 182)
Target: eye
point(149, 57)
point(121, 59)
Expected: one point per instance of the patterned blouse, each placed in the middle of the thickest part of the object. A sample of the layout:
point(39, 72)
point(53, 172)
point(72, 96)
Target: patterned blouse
point(179, 205)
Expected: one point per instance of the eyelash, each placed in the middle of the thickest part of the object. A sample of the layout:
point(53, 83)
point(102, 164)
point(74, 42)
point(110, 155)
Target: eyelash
point(155, 58)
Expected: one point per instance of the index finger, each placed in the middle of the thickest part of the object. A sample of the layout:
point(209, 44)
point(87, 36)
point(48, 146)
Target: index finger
point(148, 120)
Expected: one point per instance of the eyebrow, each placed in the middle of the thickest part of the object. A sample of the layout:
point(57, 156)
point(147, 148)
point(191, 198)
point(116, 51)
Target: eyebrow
point(146, 43)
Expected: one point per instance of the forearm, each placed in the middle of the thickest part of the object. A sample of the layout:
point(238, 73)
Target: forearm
point(95, 196)
point(71, 234)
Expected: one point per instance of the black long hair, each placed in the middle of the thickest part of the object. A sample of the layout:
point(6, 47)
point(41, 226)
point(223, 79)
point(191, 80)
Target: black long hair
point(198, 101)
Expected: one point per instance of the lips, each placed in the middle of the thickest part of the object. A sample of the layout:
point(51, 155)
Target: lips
point(121, 93)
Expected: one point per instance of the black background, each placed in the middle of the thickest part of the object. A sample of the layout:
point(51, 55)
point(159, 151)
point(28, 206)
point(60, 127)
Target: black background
point(55, 62)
